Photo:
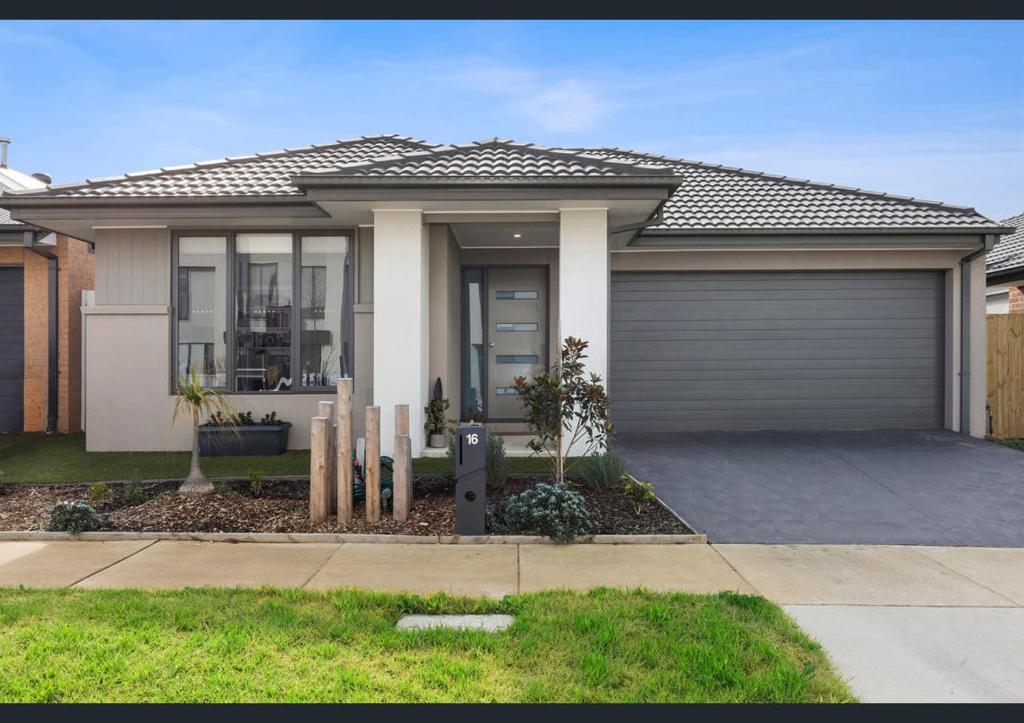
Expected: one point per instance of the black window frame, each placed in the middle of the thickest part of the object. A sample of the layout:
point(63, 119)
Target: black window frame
point(230, 237)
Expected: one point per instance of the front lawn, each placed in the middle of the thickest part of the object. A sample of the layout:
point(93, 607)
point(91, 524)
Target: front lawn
point(201, 645)
point(62, 458)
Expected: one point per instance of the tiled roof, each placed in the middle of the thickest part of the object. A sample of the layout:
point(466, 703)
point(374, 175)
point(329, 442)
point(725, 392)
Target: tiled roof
point(263, 174)
point(710, 197)
point(719, 197)
point(497, 159)
point(1009, 252)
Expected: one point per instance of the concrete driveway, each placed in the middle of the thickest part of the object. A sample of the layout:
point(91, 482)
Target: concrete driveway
point(886, 487)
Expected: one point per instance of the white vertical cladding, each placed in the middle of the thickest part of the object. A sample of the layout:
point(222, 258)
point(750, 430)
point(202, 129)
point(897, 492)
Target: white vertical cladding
point(978, 350)
point(401, 313)
point(583, 277)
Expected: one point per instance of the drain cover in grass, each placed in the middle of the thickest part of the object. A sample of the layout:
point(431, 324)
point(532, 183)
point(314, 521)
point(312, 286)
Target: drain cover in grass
point(488, 623)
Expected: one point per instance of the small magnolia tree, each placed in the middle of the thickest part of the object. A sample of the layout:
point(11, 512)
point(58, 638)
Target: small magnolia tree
point(566, 408)
point(197, 401)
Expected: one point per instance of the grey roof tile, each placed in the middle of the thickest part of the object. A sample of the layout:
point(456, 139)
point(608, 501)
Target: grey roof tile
point(265, 174)
point(713, 197)
point(1008, 254)
point(710, 197)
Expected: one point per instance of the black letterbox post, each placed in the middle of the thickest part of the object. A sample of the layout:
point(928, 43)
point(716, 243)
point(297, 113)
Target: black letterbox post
point(470, 479)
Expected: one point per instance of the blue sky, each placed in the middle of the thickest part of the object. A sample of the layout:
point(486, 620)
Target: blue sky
point(928, 109)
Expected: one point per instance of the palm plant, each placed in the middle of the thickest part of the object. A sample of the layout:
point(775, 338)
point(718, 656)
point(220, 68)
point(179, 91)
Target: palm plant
point(197, 401)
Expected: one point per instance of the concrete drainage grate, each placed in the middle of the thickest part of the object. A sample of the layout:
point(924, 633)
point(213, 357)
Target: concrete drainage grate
point(487, 623)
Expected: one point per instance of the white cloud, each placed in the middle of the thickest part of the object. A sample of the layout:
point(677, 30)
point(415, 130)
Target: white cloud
point(551, 103)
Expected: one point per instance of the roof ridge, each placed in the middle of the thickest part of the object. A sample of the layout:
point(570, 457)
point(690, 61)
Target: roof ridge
point(229, 160)
point(442, 150)
point(797, 181)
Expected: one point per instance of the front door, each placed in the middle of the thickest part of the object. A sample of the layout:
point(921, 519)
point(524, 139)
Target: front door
point(504, 336)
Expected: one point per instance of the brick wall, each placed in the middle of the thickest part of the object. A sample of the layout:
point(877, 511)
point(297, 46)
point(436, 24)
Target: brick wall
point(76, 271)
point(1017, 299)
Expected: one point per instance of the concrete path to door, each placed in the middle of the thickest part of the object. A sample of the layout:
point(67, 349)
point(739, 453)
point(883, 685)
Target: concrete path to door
point(900, 623)
point(880, 487)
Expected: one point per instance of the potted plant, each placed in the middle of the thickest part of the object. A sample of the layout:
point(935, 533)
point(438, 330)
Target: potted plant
point(436, 424)
point(195, 400)
point(239, 434)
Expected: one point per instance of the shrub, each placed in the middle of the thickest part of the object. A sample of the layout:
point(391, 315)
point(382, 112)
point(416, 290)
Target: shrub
point(76, 516)
point(565, 408)
point(601, 472)
point(497, 464)
point(640, 494)
point(99, 492)
point(133, 494)
point(547, 509)
point(256, 483)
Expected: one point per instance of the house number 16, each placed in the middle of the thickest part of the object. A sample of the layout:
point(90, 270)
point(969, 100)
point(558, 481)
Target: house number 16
point(473, 438)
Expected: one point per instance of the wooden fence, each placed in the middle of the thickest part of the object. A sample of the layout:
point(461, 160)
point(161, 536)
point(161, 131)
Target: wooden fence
point(1006, 375)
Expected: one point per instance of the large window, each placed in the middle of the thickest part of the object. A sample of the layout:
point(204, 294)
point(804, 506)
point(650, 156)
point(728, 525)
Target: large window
point(238, 326)
point(202, 309)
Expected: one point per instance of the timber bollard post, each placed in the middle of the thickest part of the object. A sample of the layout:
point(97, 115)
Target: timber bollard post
point(372, 471)
point(344, 451)
point(402, 472)
point(318, 452)
point(326, 409)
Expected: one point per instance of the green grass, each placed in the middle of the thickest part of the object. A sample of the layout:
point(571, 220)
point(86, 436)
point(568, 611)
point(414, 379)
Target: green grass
point(205, 645)
point(62, 458)
point(1014, 443)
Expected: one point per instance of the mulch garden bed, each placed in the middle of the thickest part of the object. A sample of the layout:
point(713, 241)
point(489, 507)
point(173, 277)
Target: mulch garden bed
point(282, 506)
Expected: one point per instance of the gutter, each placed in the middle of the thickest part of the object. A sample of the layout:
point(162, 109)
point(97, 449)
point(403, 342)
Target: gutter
point(965, 329)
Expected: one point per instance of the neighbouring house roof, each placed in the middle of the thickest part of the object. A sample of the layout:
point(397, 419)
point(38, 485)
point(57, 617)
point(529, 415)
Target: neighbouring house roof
point(1008, 254)
point(12, 180)
point(709, 198)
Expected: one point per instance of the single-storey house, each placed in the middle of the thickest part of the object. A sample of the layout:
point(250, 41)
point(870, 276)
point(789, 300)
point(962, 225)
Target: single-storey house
point(712, 298)
point(42, 277)
point(1005, 267)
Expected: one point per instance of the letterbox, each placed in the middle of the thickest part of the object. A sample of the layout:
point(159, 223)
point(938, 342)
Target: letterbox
point(470, 479)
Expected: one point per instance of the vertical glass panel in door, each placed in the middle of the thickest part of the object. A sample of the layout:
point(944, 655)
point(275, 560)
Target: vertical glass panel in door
point(517, 333)
point(324, 350)
point(263, 310)
point(201, 316)
point(473, 356)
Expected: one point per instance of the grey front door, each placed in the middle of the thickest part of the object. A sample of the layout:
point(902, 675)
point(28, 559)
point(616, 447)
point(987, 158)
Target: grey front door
point(505, 336)
point(777, 350)
point(12, 349)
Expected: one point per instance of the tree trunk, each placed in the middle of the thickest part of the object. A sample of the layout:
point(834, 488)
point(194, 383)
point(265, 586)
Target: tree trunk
point(196, 483)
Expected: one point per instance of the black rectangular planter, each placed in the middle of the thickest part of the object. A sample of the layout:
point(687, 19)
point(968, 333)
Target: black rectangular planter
point(255, 439)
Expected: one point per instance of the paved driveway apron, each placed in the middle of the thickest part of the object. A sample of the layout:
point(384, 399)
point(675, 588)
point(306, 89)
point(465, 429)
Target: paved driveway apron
point(879, 487)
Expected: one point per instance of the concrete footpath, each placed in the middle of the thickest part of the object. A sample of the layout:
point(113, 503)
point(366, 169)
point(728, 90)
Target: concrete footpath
point(900, 623)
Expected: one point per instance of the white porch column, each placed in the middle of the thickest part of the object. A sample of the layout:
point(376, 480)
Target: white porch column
point(401, 314)
point(583, 283)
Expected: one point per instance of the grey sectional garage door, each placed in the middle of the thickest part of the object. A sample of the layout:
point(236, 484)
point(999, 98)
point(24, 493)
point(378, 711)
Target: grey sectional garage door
point(800, 350)
point(12, 348)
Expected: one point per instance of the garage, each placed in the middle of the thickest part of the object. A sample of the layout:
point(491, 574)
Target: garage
point(12, 348)
point(803, 350)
